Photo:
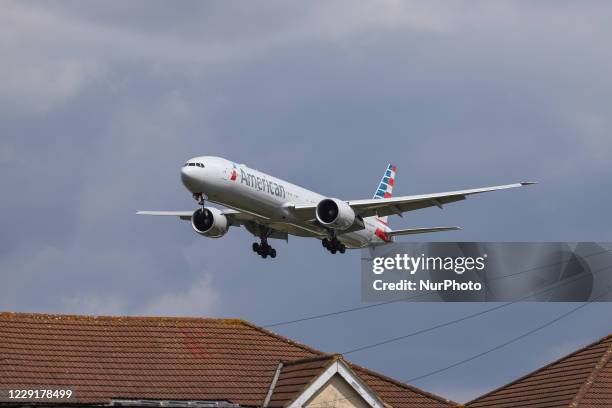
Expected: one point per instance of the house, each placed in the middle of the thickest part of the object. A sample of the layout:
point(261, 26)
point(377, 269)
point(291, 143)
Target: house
point(180, 362)
point(582, 379)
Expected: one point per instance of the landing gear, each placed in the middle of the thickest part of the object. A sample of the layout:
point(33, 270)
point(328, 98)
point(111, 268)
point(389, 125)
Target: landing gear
point(334, 245)
point(264, 249)
point(200, 198)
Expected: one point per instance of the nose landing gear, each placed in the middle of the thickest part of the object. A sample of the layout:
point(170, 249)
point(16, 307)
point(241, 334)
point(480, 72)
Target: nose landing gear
point(200, 198)
point(334, 245)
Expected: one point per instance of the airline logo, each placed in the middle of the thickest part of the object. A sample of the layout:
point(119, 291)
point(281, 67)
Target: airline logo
point(234, 174)
point(262, 184)
point(385, 189)
point(382, 235)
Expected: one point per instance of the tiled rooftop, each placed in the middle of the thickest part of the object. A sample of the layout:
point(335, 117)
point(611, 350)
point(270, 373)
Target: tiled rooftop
point(582, 379)
point(106, 358)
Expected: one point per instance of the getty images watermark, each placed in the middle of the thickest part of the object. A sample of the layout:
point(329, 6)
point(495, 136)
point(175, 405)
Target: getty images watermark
point(480, 271)
point(414, 264)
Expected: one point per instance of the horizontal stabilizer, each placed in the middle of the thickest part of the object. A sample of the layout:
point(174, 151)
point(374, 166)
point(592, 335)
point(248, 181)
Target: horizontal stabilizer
point(411, 231)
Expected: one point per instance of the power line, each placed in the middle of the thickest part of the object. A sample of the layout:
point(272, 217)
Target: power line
point(492, 349)
point(428, 329)
point(349, 310)
point(507, 343)
point(375, 305)
point(470, 316)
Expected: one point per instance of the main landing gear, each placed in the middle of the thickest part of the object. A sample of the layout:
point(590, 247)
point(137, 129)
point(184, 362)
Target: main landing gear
point(264, 249)
point(334, 245)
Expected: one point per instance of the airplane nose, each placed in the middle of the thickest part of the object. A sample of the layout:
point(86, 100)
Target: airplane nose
point(188, 177)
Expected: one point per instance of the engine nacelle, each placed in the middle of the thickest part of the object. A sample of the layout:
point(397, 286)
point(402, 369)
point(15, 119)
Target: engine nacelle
point(210, 222)
point(336, 214)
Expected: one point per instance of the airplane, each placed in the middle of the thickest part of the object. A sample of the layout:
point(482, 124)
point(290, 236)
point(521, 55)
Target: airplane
point(271, 208)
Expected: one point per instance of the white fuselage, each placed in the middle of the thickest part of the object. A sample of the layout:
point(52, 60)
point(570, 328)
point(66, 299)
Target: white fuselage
point(247, 190)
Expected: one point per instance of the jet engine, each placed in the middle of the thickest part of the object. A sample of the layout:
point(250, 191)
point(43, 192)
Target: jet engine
point(335, 214)
point(210, 222)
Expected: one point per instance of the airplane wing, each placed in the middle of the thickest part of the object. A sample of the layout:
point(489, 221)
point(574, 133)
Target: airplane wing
point(239, 217)
point(233, 215)
point(398, 205)
point(183, 215)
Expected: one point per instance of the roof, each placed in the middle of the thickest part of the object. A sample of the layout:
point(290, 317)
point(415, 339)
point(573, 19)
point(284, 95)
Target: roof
point(295, 376)
point(299, 380)
point(582, 379)
point(163, 358)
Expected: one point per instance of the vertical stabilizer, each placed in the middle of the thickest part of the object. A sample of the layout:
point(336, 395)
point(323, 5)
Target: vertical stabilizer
point(385, 187)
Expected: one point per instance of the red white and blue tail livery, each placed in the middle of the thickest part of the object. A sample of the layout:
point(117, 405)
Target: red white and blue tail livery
point(271, 208)
point(385, 188)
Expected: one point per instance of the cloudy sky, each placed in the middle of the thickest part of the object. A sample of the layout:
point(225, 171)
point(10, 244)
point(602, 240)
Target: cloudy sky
point(101, 103)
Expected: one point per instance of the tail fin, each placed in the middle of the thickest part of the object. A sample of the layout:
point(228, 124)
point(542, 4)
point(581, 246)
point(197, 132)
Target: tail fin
point(385, 187)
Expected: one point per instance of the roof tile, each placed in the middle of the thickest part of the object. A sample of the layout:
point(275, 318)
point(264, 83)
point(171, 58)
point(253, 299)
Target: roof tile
point(581, 379)
point(166, 358)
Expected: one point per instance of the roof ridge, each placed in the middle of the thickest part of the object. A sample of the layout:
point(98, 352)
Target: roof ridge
point(69, 317)
point(28, 315)
point(311, 359)
point(286, 339)
point(402, 384)
point(529, 374)
point(584, 388)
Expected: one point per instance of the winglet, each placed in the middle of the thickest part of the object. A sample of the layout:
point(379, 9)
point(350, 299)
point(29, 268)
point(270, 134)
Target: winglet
point(528, 183)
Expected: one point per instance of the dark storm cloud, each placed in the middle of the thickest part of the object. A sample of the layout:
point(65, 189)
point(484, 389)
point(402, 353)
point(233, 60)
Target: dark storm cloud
point(101, 102)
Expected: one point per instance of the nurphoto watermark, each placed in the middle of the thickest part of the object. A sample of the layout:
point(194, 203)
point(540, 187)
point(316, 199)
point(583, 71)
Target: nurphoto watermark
point(485, 271)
